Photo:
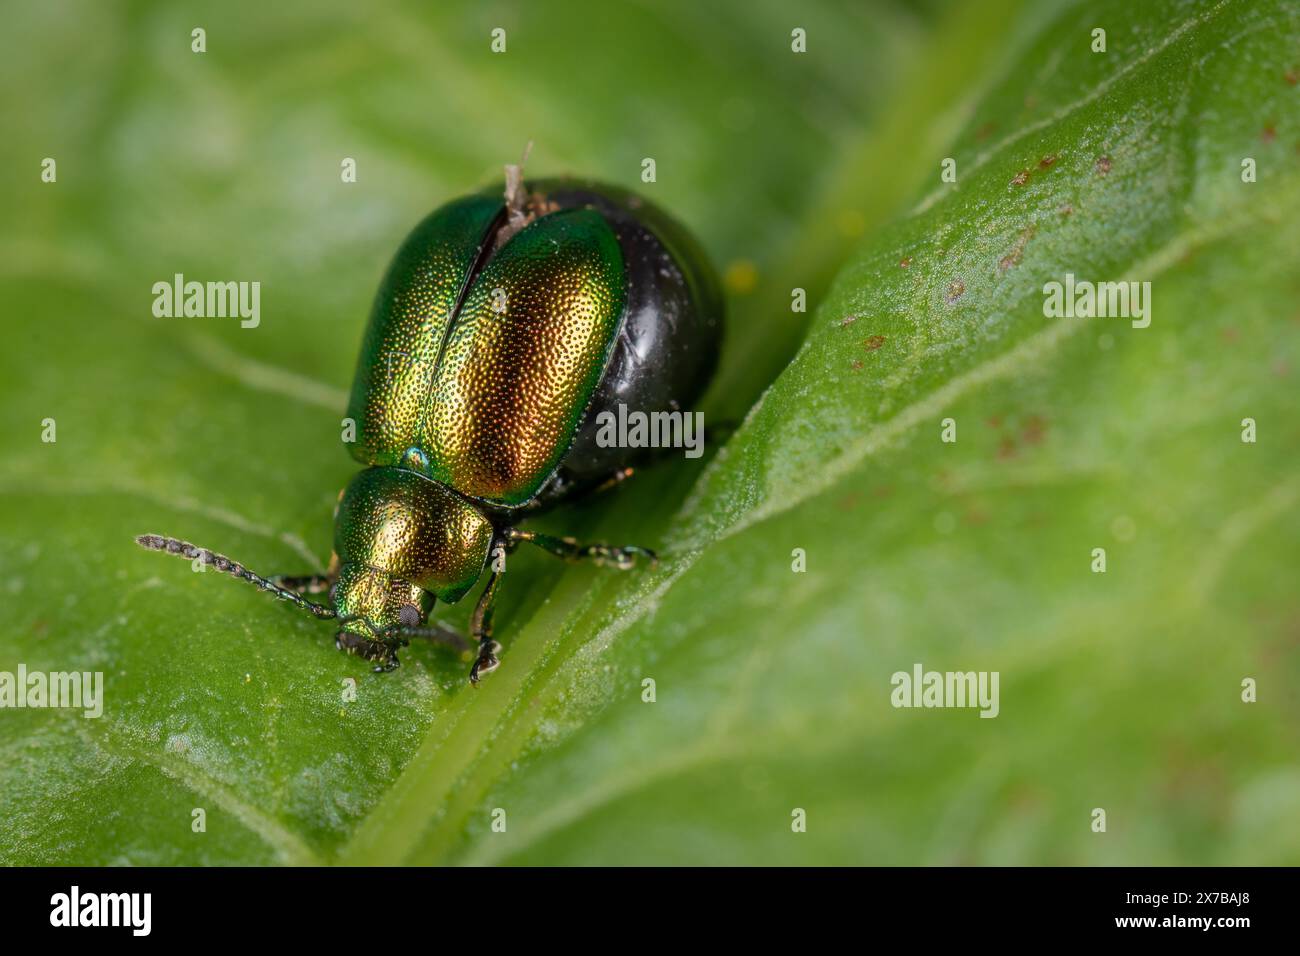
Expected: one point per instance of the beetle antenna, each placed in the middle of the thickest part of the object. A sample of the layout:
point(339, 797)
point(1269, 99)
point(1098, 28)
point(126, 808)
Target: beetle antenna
point(183, 549)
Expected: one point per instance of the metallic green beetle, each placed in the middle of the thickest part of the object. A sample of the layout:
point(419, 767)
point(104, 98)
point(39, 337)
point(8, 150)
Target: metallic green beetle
point(499, 334)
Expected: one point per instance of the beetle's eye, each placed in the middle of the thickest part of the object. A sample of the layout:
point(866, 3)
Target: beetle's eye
point(408, 615)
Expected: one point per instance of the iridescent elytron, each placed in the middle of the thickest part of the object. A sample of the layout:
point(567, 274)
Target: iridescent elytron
point(500, 331)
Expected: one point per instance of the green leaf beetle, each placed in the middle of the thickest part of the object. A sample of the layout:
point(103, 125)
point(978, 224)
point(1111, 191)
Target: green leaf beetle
point(499, 333)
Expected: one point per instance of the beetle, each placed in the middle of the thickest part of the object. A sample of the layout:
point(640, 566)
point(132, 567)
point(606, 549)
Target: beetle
point(500, 331)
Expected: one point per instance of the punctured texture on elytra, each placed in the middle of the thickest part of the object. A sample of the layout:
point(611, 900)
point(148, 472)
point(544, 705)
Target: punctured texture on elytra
point(481, 386)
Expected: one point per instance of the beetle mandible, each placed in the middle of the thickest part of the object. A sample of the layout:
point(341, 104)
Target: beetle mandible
point(500, 332)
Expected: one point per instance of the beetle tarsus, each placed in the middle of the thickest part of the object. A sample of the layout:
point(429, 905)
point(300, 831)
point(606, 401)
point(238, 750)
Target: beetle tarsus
point(624, 558)
point(487, 661)
point(481, 628)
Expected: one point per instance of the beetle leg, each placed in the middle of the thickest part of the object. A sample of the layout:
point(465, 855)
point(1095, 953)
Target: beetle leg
point(310, 583)
point(570, 550)
point(303, 583)
point(440, 633)
point(562, 488)
point(481, 629)
point(614, 480)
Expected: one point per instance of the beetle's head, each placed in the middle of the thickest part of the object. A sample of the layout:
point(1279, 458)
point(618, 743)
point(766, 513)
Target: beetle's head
point(374, 608)
point(403, 542)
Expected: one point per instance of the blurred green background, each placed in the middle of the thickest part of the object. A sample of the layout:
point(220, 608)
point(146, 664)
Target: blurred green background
point(818, 171)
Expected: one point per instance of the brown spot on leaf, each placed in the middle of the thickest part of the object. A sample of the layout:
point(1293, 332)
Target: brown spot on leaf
point(905, 262)
point(955, 291)
point(1047, 161)
point(1287, 628)
point(1268, 133)
point(849, 501)
point(1035, 430)
point(1066, 210)
point(857, 365)
point(1103, 165)
point(1291, 78)
point(1007, 448)
point(1012, 258)
point(848, 320)
point(874, 342)
point(1025, 799)
point(976, 516)
point(1020, 178)
point(984, 132)
point(994, 421)
point(1194, 781)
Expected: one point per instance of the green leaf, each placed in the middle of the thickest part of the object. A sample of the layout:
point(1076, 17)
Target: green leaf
point(1119, 690)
